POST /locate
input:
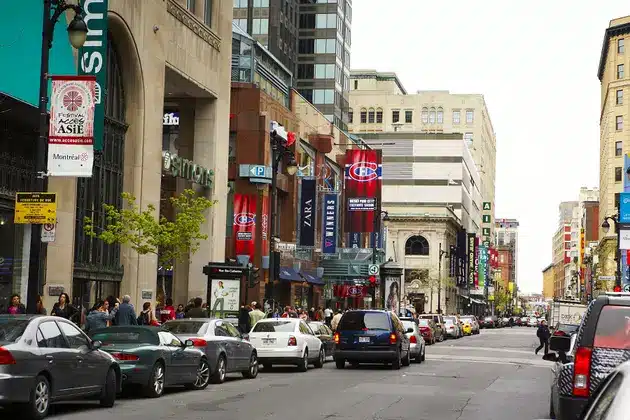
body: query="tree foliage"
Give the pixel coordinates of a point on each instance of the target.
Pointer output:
(147, 233)
(502, 299)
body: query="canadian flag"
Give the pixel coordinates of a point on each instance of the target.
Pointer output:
(290, 138)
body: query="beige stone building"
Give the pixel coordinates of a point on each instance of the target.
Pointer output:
(164, 57)
(614, 65)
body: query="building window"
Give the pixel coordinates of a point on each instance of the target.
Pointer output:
(618, 148)
(371, 116)
(363, 116)
(323, 21)
(241, 23)
(440, 116)
(261, 3)
(395, 116)
(432, 116)
(408, 117)
(618, 174)
(619, 122)
(379, 116)
(260, 27)
(456, 117)
(350, 116)
(468, 139)
(621, 48)
(207, 12)
(325, 46)
(240, 4)
(425, 115)
(356, 84)
(620, 97)
(324, 71)
(620, 71)
(417, 245)
(190, 5)
(470, 116)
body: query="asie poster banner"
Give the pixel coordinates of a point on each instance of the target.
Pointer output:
(71, 127)
(363, 178)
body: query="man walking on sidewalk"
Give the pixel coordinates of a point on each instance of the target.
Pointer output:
(543, 335)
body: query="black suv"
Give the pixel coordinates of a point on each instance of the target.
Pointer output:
(585, 359)
(371, 337)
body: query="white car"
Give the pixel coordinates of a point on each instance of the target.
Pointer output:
(286, 341)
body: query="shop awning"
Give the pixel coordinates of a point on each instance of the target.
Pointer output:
(289, 274)
(312, 277)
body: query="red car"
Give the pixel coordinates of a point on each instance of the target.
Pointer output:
(427, 330)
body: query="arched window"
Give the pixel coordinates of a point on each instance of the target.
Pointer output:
(440, 115)
(371, 116)
(425, 115)
(363, 115)
(417, 245)
(432, 116)
(379, 115)
(97, 266)
(350, 116)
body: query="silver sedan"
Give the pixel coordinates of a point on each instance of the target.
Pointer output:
(417, 346)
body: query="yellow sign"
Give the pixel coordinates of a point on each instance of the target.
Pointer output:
(35, 208)
(511, 287)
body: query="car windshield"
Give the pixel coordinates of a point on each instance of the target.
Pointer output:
(11, 329)
(185, 327)
(423, 322)
(132, 336)
(274, 326)
(357, 321)
(408, 324)
(467, 320)
(449, 319)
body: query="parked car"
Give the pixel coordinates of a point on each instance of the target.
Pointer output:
(452, 326)
(472, 320)
(584, 360)
(226, 349)
(533, 322)
(417, 346)
(440, 332)
(286, 341)
(38, 351)
(154, 358)
(611, 400)
(371, 336)
(428, 329)
(564, 329)
(325, 334)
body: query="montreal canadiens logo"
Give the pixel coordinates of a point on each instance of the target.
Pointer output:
(244, 219)
(363, 171)
(354, 291)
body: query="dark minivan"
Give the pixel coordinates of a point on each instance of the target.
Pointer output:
(371, 336)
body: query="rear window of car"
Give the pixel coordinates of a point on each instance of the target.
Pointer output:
(613, 328)
(274, 326)
(12, 329)
(185, 327)
(423, 322)
(355, 321)
(126, 337)
(408, 324)
(449, 320)
(467, 319)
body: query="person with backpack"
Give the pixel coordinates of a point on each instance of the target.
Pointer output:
(147, 316)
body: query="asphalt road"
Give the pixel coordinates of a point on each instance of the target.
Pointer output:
(494, 375)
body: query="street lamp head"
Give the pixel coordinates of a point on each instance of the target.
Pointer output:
(77, 31)
(386, 219)
(292, 166)
(605, 226)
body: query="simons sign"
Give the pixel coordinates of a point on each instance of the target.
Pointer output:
(183, 168)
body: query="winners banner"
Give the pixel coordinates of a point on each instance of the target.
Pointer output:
(363, 178)
(71, 128)
(244, 228)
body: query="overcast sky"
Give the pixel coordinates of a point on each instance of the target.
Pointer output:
(535, 61)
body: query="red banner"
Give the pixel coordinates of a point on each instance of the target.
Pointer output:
(244, 227)
(350, 291)
(363, 178)
(264, 226)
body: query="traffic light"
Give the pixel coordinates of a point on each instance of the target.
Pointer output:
(372, 281)
(617, 289)
(254, 276)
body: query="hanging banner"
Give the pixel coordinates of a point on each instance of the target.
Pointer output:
(329, 224)
(244, 228)
(264, 226)
(363, 179)
(483, 266)
(476, 261)
(71, 127)
(625, 278)
(350, 291)
(453, 261)
(308, 207)
(472, 258)
(93, 60)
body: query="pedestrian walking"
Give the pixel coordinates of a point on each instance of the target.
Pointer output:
(126, 314)
(147, 316)
(16, 307)
(335, 320)
(543, 335)
(168, 312)
(255, 315)
(179, 314)
(243, 319)
(328, 314)
(319, 315)
(40, 309)
(98, 317)
(197, 310)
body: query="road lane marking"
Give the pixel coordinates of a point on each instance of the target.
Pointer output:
(489, 360)
(454, 347)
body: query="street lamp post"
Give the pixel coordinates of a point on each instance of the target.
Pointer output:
(377, 219)
(606, 228)
(441, 253)
(77, 33)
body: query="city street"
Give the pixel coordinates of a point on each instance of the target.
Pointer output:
(494, 375)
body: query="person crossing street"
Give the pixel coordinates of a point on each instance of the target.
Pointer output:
(543, 335)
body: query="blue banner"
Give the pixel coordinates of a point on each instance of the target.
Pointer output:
(355, 240)
(626, 188)
(624, 207)
(329, 222)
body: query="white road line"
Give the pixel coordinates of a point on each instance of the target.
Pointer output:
(490, 360)
(454, 347)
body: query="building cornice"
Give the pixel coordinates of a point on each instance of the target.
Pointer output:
(193, 23)
(610, 32)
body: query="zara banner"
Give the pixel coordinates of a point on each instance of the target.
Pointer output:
(244, 227)
(329, 222)
(307, 212)
(71, 127)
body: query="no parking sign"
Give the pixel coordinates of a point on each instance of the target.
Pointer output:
(48, 232)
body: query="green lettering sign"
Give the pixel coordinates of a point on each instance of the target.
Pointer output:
(485, 218)
(486, 231)
(487, 206)
(179, 167)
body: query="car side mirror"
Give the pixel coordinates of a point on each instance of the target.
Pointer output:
(409, 330)
(560, 343)
(189, 343)
(96, 345)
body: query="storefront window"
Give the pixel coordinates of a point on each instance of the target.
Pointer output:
(306, 165)
(13, 258)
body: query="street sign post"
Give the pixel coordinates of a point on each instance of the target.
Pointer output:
(35, 208)
(373, 269)
(48, 232)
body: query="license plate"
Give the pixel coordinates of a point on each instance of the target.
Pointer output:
(268, 341)
(364, 339)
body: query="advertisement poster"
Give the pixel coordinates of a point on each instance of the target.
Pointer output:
(329, 224)
(392, 294)
(307, 213)
(264, 226)
(244, 227)
(71, 127)
(472, 257)
(476, 262)
(363, 178)
(483, 264)
(224, 297)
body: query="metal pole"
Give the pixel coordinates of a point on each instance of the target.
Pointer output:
(440, 279)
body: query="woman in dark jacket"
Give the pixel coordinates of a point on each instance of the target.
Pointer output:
(64, 309)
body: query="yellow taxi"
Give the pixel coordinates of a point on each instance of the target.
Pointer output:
(466, 326)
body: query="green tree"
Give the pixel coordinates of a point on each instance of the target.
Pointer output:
(501, 300)
(147, 233)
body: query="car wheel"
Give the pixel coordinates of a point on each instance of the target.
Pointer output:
(406, 361)
(320, 359)
(252, 371)
(155, 387)
(303, 366)
(203, 376)
(218, 377)
(396, 362)
(39, 402)
(108, 393)
(340, 363)
(424, 352)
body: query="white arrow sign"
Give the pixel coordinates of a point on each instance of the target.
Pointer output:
(373, 269)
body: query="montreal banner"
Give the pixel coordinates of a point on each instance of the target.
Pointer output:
(363, 178)
(71, 128)
(244, 228)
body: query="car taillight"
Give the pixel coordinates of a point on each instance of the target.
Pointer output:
(125, 357)
(199, 342)
(292, 341)
(6, 358)
(582, 372)
(392, 339)
(413, 339)
(336, 338)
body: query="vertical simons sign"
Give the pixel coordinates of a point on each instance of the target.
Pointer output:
(93, 60)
